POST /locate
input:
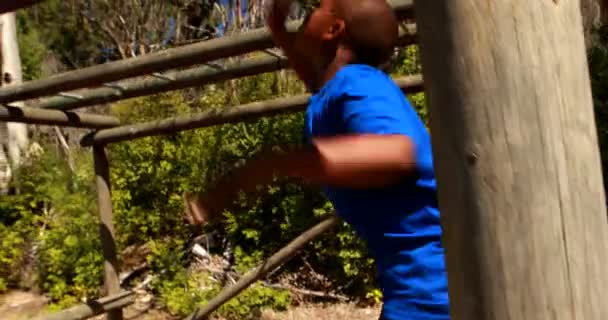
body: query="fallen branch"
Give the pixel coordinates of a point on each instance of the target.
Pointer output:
(235, 276)
(138, 270)
(262, 270)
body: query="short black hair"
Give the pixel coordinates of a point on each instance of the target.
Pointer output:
(372, 30)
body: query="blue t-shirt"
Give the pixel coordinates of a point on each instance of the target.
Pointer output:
(399, 222)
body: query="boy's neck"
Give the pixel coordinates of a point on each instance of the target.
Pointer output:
(342, 58)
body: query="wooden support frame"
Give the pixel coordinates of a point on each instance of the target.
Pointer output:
(184, 56)
(55, 117)
(174, 81)
(182, 79)
(409, 84)
(106, 227)
(93, 308)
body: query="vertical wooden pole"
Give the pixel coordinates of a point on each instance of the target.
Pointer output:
(517, 161)
(104, 202)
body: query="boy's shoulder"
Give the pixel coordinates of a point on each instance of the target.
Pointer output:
(361, 78)
(357, 83)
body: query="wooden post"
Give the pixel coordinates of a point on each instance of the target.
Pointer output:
(20, 115)
(517, 161)
(104, 202)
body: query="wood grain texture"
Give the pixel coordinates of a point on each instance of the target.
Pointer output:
(517, 159)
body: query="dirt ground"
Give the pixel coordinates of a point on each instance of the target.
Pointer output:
(340, 311)
(18, 305)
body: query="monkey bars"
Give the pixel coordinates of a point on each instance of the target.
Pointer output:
(184, 56)
(197, 76)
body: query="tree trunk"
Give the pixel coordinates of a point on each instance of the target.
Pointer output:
(16, 141)
(517, 159)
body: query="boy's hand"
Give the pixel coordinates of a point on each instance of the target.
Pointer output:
(277, 14)
(202, 208)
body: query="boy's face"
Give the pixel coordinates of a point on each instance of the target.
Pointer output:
(320, 31)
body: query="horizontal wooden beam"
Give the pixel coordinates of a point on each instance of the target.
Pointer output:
(55, 117)
(14, 5)
(171, 81)
(409, 84)
(182, 79)
(267, 266)
(198, 53)
(93, 308)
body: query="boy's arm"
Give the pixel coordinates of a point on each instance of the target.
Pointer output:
(277, 15)
(351, 161)
(355, 161)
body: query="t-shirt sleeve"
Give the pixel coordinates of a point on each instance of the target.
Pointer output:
(370, 105)
(374, 114)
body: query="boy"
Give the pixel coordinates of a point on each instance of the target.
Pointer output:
(368, 148)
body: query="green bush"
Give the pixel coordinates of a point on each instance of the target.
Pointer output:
(11, 255)
(54, 213)
(185, 292)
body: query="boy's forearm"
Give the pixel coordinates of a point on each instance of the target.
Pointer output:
(353, 162)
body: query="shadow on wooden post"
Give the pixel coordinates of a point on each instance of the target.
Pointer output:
(106, 227)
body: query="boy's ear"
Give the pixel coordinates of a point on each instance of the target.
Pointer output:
(336, 29)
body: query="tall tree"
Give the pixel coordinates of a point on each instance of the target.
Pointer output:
(16, 139)
(131, 28)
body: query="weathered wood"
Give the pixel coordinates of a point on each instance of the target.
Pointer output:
(174, 81)
(244, 112)
(516, 151)
(267, 266)
(93, 308)
(106, 227)
(56, 117)
(182, 79)
(184, 56)
(13, 5)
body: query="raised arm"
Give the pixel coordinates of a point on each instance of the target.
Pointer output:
(277, 15)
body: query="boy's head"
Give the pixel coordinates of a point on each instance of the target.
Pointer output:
(363, 31)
